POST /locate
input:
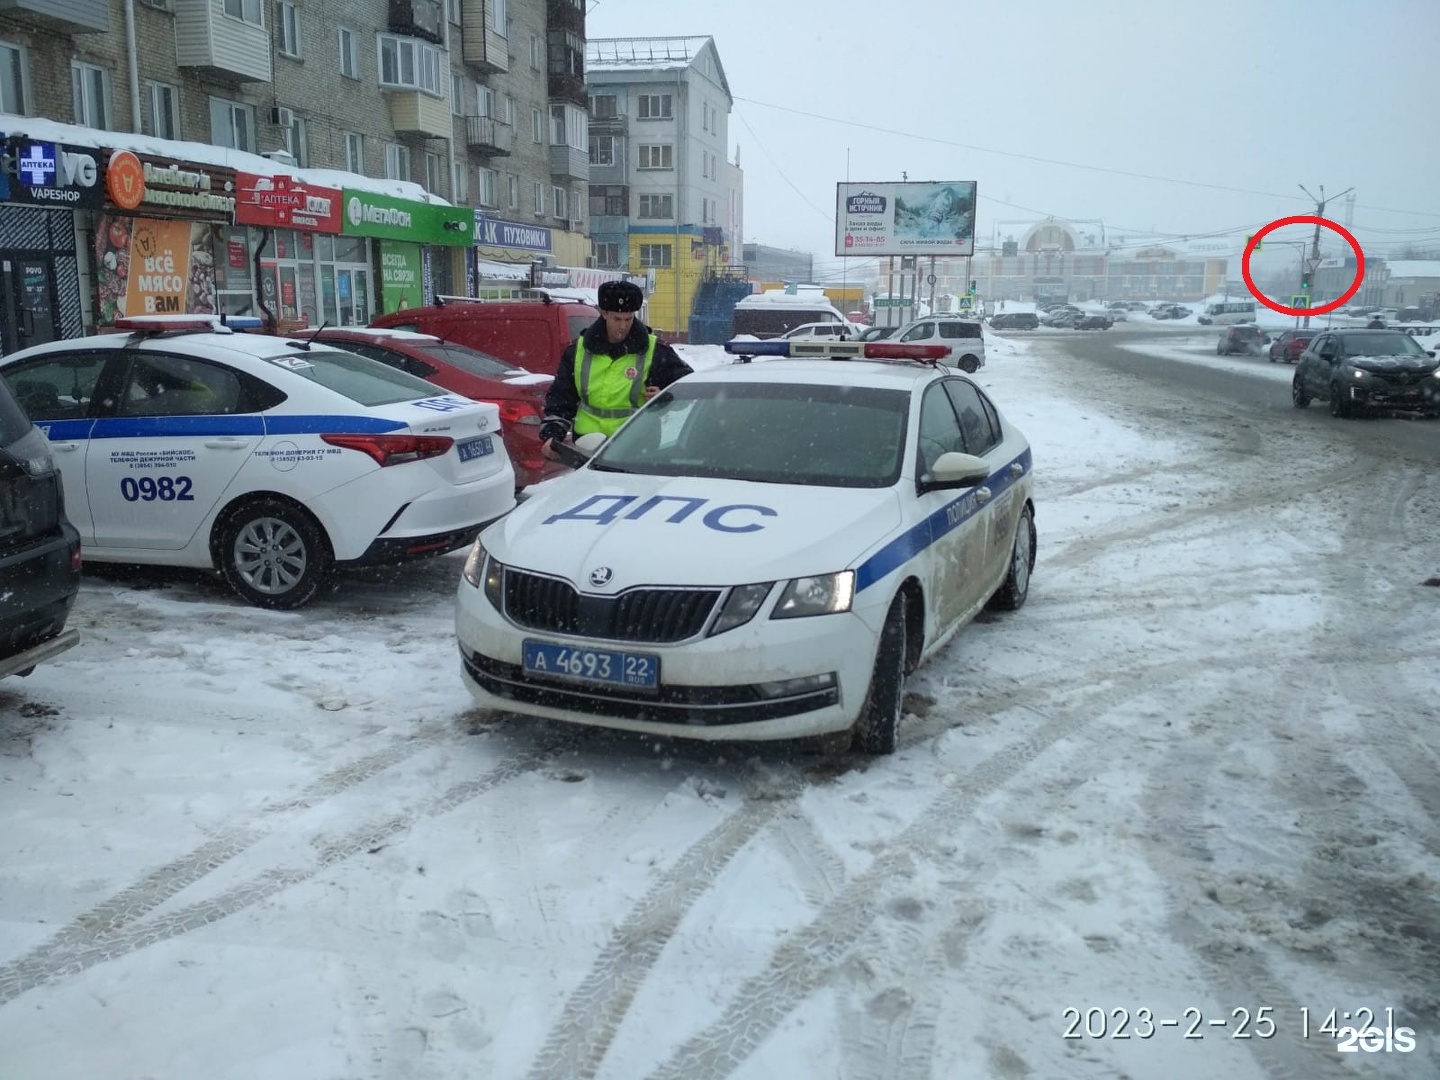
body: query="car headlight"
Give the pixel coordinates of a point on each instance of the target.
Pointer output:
(1360, 374)
(484, 572)
(823, 594)
(741, 605)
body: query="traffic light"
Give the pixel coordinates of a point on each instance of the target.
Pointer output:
(1305, 281)
(972, 288)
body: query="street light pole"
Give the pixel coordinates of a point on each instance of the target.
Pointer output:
(1313, 263)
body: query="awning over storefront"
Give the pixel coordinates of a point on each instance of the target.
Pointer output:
(498, 271)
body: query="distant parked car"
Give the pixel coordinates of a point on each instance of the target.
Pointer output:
(1015, 320)
(877, 333)
(825, 331)
(1093, 322)
(1288, 346)
(1169, 311)
(1244, 338)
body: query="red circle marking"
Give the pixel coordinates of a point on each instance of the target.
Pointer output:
(1302, 219)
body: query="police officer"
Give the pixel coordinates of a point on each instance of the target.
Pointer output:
(608, 372)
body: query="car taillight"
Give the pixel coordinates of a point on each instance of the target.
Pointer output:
(518, 412)
(394, 449)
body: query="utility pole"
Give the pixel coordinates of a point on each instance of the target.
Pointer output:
(1313, 262)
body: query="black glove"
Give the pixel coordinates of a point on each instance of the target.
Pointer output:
(554, 429)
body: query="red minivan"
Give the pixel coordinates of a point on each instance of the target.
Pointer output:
(528, 333)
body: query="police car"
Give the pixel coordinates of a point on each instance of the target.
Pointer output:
(764, 551)
(182, 442)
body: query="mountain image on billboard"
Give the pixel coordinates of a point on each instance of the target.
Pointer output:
(905, 218)
(935, 212)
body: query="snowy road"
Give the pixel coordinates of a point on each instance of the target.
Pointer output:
(1193, 780)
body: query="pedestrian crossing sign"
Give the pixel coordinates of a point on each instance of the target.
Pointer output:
(1300, 300)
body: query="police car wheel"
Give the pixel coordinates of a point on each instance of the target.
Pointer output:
(273, 554)
(1011, 595)
(878, 727)
(1297, 392)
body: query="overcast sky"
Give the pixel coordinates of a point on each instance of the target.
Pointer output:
(1143, 114)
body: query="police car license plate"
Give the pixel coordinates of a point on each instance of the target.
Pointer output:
(640, 671)
(470, 449)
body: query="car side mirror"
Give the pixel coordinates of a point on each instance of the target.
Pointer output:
(955, 470)
(1430, 351)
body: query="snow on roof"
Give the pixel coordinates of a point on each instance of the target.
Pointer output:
(635, 54)
(498, 271)
(811, 297)
(37, 127)
(1414, 268)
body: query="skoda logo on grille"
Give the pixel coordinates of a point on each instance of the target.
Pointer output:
(600, 575)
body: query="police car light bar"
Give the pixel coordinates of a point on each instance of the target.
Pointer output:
(836, 350)
(159, 324)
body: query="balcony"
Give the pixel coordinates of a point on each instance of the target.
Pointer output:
(65, 16)
(565, 15)
(485, 49)
(489, 136)
(568, 163)
(609, 125)
(220, 46)
(414, 112)
(418, 18)
(567, 85)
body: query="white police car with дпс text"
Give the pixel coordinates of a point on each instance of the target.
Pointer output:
(183, 443)
(763, 551)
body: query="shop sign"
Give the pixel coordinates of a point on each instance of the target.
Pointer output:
(494, 232)
(149, 266)
(541, 278)
(401, 275)
(369, 214)
(176, 188)
(53, 174)
(284, 202)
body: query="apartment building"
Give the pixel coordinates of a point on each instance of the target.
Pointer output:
(434, 104)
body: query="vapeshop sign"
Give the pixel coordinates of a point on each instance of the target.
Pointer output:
(53, 174)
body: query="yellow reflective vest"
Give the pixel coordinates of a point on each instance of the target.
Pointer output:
(610, 389)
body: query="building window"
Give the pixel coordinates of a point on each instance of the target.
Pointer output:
(246, 10)
(349, 54)
(434, 172)
(607, 256)
(608, 201)
(567, 53)
(657, 206)
(502, 18)
(297, 141)
(512, 192)
(539, 196)
(452, 11)
(355, 152)
(535, 52)
(459, 188)
(409, 64)
(486, 194)
(654, 256)
(560, 199)
(537, 125)
(659, 156)
(397, 161)
(602, 107)
(655, 107)
(289, 29)
(484, 101)
(602, 149)
(232, 124)
(90, 86)
(507, 109)
(705, 115)
(14, 71)
(457, 94)
(569, 126)
(164, 114)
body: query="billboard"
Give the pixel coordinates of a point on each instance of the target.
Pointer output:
(905, 219)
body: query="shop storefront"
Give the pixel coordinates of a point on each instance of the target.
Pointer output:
(43, 186)
(499, 264)
(283, 228)
(155, 244)
(396, 233)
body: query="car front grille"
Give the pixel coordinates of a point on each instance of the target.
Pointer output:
(657, 616)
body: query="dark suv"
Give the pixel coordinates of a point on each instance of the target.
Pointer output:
(1360, 369)
(1245, 338)
(39, 548)
(1015, 320)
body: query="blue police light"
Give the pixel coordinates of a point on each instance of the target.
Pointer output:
(741, 347)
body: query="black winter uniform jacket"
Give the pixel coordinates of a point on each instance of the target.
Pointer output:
(563, 399)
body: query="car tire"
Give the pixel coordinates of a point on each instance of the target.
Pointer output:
(1340, 406)
(877, 730)
(1011, 595)
(1298, 395)
(273, 554)
(969, 365)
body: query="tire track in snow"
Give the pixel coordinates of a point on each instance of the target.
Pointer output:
(580, 1038)
(83, 947)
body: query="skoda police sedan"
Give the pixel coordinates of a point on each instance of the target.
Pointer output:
(764, 551)
(184, 443)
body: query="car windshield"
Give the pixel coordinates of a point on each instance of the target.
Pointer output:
(467, 359)
(766, 432)
(1396, 344)
(362, 380)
